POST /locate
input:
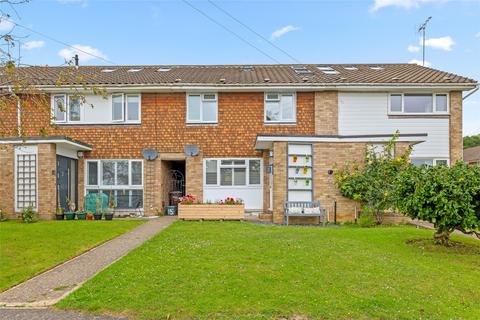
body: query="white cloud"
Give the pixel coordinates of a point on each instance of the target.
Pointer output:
(413, 48)
(6, 25)
(415, 61)
(442, 43)
(68, 53)
(477, 35)
(405, 4)
(283, 31)
(82, 3)
(33, 44)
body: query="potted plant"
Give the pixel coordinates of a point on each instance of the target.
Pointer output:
(307, 182)
(111, 207)
(70, 214)
(98, 210)
(59, 214)
(305, 170)
(307, 158)
(89, 215)
(81, 214)
(295, 158)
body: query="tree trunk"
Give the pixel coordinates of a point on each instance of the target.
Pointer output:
(442, 237)
(379, 216)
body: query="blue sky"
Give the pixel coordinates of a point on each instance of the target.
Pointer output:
(171, 32)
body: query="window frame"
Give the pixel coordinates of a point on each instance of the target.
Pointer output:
(126, 107)
(434, 104)
(101, 185)
(434, 160)
(202, 100)
(279, 100)
(247, 173)
(123, 107)
(65, 107)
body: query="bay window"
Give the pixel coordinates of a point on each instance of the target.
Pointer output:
(280, 107)
(121, 179)
(233, 172)
(202, 108)
(418, 103)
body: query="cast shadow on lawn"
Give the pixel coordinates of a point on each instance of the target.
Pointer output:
(454, 247)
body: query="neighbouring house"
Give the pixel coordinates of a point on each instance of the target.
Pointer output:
(472, 155)
(262, 133)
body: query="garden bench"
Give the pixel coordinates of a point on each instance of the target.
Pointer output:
(305, 209)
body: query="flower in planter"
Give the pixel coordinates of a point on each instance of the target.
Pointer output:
(295, 158)
(230, 201)
(189, 199)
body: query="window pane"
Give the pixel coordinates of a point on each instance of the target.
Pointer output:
(209, 97)
(254, 172)
(209, 111)
(133, 108)
(418, 103)
(211, 172)
(59, 108)
(227, 162)
(122, 173)
(193, 108)
(396, 103)
(441, 102)
(272, 111)
(443, 163)
(74, 109)
(108, 176)
(419, 162)
(136, 173)
(240, 176)
(272, 96)
(226, 176)
(287, 108)
(117, 107)
(239, 162)
(137, 199)
(92, 173)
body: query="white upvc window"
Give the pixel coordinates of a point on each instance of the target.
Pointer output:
(66, 108)
(122, 179)
(59, 108)
(202, 108)
(418, 103)
(234, 172)
(280, 107)
(126, 108)
(430, 161)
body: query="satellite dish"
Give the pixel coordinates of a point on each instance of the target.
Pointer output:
(150, 154)
(191, 150)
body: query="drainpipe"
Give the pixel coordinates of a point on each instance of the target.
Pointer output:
(471, 92)
(19, 113)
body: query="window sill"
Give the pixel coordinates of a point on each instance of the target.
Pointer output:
(86, 124)
(399, 115)
(280, 123)
(196, 124)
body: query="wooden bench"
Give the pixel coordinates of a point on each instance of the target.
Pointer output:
(297, 209)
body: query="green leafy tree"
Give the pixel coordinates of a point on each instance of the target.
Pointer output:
(373, 182)
(471, 141)
(447, 197)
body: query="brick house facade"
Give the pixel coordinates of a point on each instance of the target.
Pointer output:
(240, 132)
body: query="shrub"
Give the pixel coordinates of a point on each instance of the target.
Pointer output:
(3, 215)
(447, 197)
(28, 215)
(367, 218)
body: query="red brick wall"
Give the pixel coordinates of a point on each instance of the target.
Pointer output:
(240, 119)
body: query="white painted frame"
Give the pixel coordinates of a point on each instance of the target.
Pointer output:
(125, 112)
(28, 150)
(434, 104)
(100, 184)
(247, 173)
(53, 107)
(202, 99)
(123, 107)
(280, 95)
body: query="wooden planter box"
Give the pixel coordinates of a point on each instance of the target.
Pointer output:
(211, 212)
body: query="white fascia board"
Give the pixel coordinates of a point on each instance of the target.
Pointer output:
(66, 143)
(266, 87)
(266, 142)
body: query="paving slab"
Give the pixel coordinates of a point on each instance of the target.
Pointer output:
(51, 286)
(49, 314)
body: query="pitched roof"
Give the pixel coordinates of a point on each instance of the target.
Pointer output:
(471, 154)
(252, 75)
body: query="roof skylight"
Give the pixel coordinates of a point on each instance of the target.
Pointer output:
(330, 71)
(134, 70)
(164, 69)
(377, 68)
(325, 68)
(247, 68)
(302, 71)
(351, 68)
(108, 70)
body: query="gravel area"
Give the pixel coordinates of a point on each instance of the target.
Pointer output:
(51, 286)
(49, 314)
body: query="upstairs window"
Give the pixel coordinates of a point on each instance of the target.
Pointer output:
(126, 108)
(74, 109)
(202, 108)
(418, 103)
(280, 108)
(60, 108)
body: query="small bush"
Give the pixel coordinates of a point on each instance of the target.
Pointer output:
(28, 215)
(367, 218)
(3, 215)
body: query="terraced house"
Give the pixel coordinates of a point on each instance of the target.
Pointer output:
(264, 133)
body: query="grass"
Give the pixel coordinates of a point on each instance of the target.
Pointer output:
(29, 249)
(232, 270)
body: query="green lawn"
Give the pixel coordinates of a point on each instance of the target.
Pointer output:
(236, 270)
(29, 249)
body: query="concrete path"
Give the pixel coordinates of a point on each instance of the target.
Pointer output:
(49, 314)
(51, 286)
